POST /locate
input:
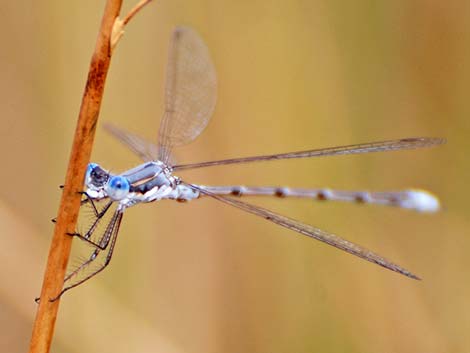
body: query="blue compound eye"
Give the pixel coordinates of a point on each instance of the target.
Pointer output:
(89, 170)
(117, 188)
(95, 177)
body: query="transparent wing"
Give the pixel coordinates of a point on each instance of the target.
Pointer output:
(382, 146)
(190, 91)
(311, 232)
(146, 150)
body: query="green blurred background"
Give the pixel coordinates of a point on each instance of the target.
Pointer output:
(201, 276)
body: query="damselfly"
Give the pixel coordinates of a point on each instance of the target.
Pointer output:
(190, 98)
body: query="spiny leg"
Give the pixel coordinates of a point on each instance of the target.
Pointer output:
(82, 202)
(109, 238)
(100, 246)
(87, 200)
(99, 215)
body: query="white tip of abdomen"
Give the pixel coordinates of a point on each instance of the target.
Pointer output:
(421, 201)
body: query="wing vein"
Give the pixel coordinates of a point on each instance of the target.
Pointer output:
(312, 232)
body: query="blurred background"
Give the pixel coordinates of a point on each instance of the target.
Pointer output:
(201, 276)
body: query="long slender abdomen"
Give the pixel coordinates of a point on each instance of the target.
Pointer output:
(418, 200)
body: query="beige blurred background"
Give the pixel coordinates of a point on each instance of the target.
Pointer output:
(203, 277)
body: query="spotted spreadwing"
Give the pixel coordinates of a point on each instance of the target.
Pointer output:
(190, 98)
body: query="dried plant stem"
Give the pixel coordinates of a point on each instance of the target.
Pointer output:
(134, 10)
(59, 252)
